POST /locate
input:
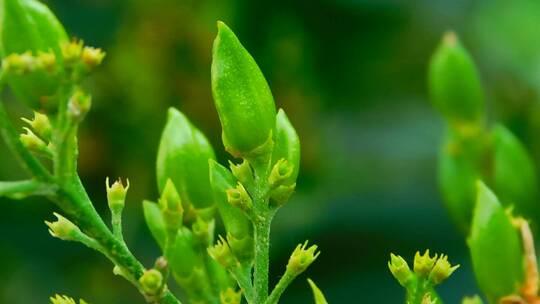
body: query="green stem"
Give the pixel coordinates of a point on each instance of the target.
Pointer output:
(262, 248)
(283, 283)
(24, 188)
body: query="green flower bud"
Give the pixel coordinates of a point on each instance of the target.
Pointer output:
(41, 125)
(183, 157)
(151, 282)
(317, 293)
(171, 207)
(29, 25)
(243, 172)
(64, 229)
(20, 64)
(204, 231)
(116, 195)
(235, 221)
(442, 270)
(229, 296)
(454, 83)
(238, 197)
(243, 249)
(62, 299)
(514, 177)
(301, 258)
(287, 145)
(72, 52)
(400, 269)
(221, 252)
(495, 247)
(281, 172)
(281, 194)
(92, 57)
(33, 143)
(79, 104)
(423, 263)
(155, 222)
(242, 97)
(457, 176)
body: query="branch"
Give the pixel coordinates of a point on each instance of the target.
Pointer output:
(25, 188)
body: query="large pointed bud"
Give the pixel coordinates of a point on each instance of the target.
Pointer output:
(495, 247)
(242, 97)
(183, 157)
(29, 25)
(457, 176)
(514, 177)
(454, 83)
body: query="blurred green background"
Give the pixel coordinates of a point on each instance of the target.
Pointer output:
(351, 75)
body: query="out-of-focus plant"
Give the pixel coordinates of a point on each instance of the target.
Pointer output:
(45, 70)
(500, 240)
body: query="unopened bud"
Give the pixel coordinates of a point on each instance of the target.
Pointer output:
(221, 252)
(229, 296)
(116, 194)
(302, 257)
(171, 206)
(151, 282)
(400, 269)
(79, 105)
(71, 52)
(442, 270)
(242, 248)
(19, 63)
(423, 263)
(64, 229)
(281, 171)
(239, 197)
(92, 57)
(32, 142)
(46, 61)
(41, 124)
(203, 230)
(242, 172)
(281, 194)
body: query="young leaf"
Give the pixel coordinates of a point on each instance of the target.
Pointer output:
(287, 145)
(156, 223)
(29, 25)
(514, 178)
(495, 247)
(454, 83)
(183, 157)
(241, 94)
(317, 293)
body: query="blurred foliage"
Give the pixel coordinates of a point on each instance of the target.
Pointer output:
(352, 76)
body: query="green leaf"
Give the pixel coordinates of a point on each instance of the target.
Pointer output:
(241, 94)
(457, 176)
(29, 25)
(156, 223)
(183, 157)
(454, 83)
(514, 176)
(495, 247)
(286, 145)
(317, 293)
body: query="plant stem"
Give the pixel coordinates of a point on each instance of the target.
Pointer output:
(24, 188)
(262, 248)
(283, 283)
(242, 275)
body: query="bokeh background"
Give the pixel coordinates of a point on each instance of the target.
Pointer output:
(351, 74)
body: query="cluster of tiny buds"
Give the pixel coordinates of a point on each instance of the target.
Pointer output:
(301, 258)
(151, 282)
(75, 53)
(37, 143)
(229, 296)
(435, 269)
(27, 62)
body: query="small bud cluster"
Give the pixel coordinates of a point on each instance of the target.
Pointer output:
(76, 54)
(433, 270)
(302, 257)
(27, 62)
(40, 142)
